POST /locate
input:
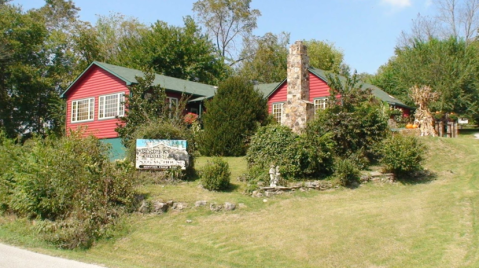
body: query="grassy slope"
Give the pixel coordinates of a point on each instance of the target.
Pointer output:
(400, 225)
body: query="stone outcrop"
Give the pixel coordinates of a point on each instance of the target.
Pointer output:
(298, 109)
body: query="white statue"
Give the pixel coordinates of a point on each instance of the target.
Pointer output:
(273, 176)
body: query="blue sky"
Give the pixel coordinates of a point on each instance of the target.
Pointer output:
(365, 30)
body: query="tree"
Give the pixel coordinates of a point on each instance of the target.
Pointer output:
(265, 58)
(324, 55)
(449, 66)
(455, 18)
(232, 117)
(145, 104)
(226, 20)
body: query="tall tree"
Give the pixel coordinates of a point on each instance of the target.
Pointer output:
(324, 55)
(182, 52)
(447, 66)
(232, 118)
(456, 18)
(265, 58)
(226, 21)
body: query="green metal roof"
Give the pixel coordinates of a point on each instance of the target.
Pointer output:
(170, 83)
(269, 89)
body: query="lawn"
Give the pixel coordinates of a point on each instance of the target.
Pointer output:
(428, 224)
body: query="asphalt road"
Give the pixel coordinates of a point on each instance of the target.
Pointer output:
(12, 257)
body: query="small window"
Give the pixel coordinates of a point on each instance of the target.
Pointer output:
(277, 111)
(320, 104)
(83, 110)
(111, 106)
(172, 105)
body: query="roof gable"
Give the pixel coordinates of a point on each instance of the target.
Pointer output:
(169, 83)
(268, 89)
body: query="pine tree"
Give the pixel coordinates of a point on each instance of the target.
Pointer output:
(232, 117)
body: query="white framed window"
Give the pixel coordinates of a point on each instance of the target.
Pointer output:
(277, 111)
(320, 104)
(172, 104)
(83, 110)
(111, 106)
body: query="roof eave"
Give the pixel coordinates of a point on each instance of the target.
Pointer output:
(127, 82)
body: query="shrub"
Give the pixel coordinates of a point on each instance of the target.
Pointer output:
(70, 185)
(346, 172)
(297, 155)
(215, 176)
(232, 118)
(402, 154)
(356, 123)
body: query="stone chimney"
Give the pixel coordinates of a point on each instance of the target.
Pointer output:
(298, 109)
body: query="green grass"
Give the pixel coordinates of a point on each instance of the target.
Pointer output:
(430, 224)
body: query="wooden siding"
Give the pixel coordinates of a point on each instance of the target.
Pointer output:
(94, 83)
(317, 88)
(280, 95)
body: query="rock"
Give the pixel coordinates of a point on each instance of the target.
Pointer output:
(242, 205)
(229, 206)
(170, 203)
(260, 183)
(200, 203)
(179, 206)
(145, 207)
(160, 207)
(265, 200)
(189, 221)
(257, 194)
(215, 207)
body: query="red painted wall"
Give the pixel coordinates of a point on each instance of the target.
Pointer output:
(317, 89)
(94, 83)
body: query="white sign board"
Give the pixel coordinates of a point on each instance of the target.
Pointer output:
(161, 154)
(463, 121)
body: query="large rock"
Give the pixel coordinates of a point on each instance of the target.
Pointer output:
(200, 203)
(160, 207)
(229, 206)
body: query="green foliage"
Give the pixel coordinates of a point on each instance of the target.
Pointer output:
(181, 52)
(145, 104)
(324, 55)
(215, 175)
(69, 184)
(346, 172)
(402, 154)
(298, 156)
(448, 66)
(265, 58)
(232, 118)
(356, 121)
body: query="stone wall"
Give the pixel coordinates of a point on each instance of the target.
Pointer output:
(298, 109)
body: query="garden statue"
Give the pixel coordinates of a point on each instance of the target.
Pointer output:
(273, 176)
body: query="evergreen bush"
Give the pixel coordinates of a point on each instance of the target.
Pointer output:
(215, 176)
(402, 154)
(346, 172)
(231, 118)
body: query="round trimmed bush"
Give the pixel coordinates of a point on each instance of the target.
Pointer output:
(402, 154)
(215, 176)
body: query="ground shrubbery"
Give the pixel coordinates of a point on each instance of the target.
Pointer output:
(402, 154)
(68, 184)
(298, 156)
(215, 175)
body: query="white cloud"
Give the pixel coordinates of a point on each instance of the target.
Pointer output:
(397, 3)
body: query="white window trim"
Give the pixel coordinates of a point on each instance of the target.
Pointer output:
(171, 100)
(91, 103)
(320, 106)
(120, 103)
(281, 111)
